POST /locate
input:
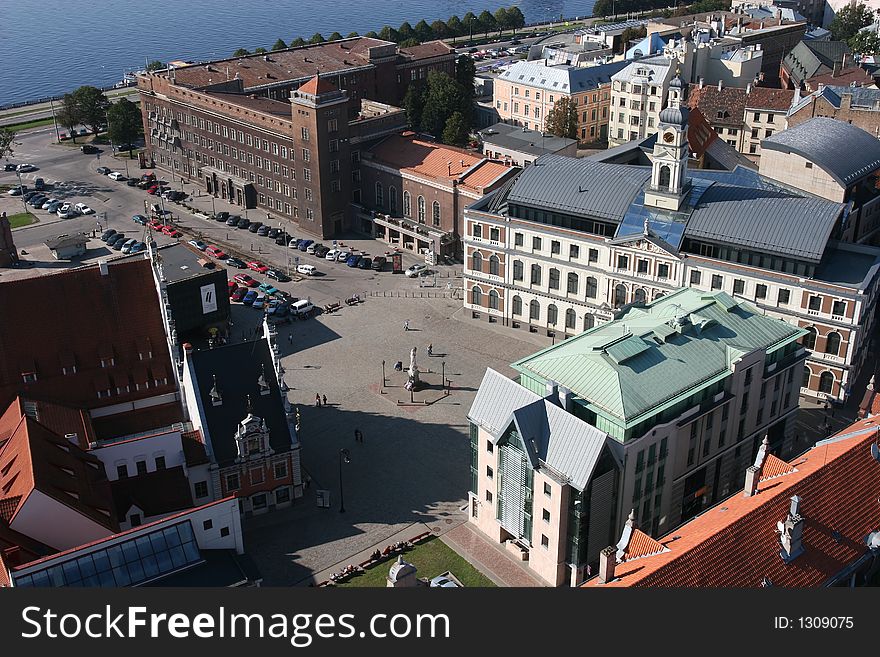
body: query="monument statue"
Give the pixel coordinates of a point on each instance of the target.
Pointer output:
(413, 371)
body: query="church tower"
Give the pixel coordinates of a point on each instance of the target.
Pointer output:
(669, 181)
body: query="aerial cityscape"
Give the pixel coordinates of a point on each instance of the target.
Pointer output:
(547, 294)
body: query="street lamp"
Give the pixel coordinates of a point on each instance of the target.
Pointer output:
(383, 373)
(213, 209)
(21, 192)
(443, 376)
(344, 457)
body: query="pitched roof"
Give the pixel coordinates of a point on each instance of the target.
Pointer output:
(722, 107)
(844, 151)
(810, 58)
(626, 368)
(860, 97)
(646, 70)
(845, 77)
(765, 98)
(520, 139)
(113, 316)
(551, 435)
(408, 153)
(155, 493)
(735, 545)
(427, 50)
(237, 368)
(317, 86)
(561, 78)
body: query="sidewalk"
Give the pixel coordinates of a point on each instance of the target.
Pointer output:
(488, 558)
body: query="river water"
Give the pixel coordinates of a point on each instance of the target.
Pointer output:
(49, 47)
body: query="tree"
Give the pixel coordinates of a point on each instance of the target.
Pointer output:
(604, 8)
(68, 115)
(849, 20)
(465, 70)
(443, 97)
(424, 31)
(487, 22)
(515, 19)
(456, 131)
(7, 141)
(865, 43)
(241, 52)
(562, 119)
(279, 45)
(629, 34)
(413, 102)
(124, 123)
(297, 42)
(336, 36)
(471, 24)
(352, 35)
(92, 106)
(317, 37)
(440, 30)
(260, 51)
(372, 35)
(409, 43)
(388, 33)
(156, 65)
(406, 31)
(501, 20)
(456, 28)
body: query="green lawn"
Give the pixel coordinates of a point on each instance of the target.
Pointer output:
(29, 124)
(430, 558)
(21, 219)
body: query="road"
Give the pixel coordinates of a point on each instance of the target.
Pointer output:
(44, 110)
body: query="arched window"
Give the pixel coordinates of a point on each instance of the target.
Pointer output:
(832, 343)
(589, 321)
(619, 295)
(806, 382)
(665, 176)
(810, 338)
(534, 309)
(572, 283)
(477, 261)
(517, 270)
(570, 318)
(494, 265)
(493, 299)
(392, 200)
(592, 287)
(407, 205)
(826, 382)
(640, 296)
(552, 314)
(476, 296)
(421, 203)
(435, 213)
(554, 278)
(380, 196)
(517, 305)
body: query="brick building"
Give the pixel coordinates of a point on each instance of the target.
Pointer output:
(809, 59)
(282, 132)
(858, 106)
(415, 191)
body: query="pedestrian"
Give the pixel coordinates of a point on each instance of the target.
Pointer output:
(406, 325)
(290, 338)
(317, 400)
(306, 481)
(358, 436)
(430, 349)
(324, 400)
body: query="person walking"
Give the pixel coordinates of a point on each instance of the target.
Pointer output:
(324, 400)
(406, 325)
(430, 349)
(290, 338)
(358, 436)
(317, 400)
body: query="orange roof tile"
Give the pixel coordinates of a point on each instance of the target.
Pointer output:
(641, 545)
(775, 467)
(735, 544)
(431, 160)
(318, 85)
(484, 174)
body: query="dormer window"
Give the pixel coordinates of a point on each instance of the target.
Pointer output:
(253, 446)
(263, 383)
(145, 355)
(70, 369)
(29, 377)
(216, 397)
(108, 362)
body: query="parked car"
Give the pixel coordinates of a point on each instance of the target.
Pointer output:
(215, 252)
(278, 309)
(443, 581)
(156, 225)
(24, 168)
(138, 247)
(235, 262)
(254, 226)
(82, 208)
(273, 233)
(126, 248)
(353, 259)
(103, 170)
(171, 231)
(233, 221)
(221, 216)
(331, 254)
(343, 256)
(244, 279)
(294, 242)
(365, 263)
(321, 251)
(378, 263)
(278, 275)
(40, 184)
(257, 266)
(67, 211)
(9, 166)
(306, 270)
(302, 308)
(243, 223)
(250, 297)
(53, 208)
(413, 270)
(231, 286)
(199, 244)
(260, 301)
(304, 244)
(116, 175)
(48, 202)
(115, 238)
(88, 149)
(282, 239)
(107, 234)
(311, 247)
(37, 200)
(267, 288)
(131, 182)
(263, 231)
(139, 219)
(17, 191)
(239, 294)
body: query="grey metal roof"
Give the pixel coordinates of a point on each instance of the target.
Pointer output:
(519, 139)
(579, 186)
(764, 219)
(656, 69)
(562, 78)
(567, 444)
(726, 156)
(861, 97)
(844, 151)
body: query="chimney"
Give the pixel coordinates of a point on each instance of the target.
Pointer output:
(748, 88)
(607, 564)
(779, 15)
(449, 169)
(762, 25)
(753, 472)
(73, 438)
(701, 83)
(719, 85)
(552, 391)
(792, 532)
(102, 267)
(565, 398)
(835, 70)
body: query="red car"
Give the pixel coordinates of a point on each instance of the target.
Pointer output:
(231, 287)
(216, 252)
(156, 225)
(238, 295)
(244, 279)
(257, 266)
(171, 231)
(153, 189)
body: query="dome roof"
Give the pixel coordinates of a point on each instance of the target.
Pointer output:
(676, 82)
(674, 115)
(400, 569)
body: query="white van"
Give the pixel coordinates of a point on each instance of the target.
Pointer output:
(306, 270)
(302, 308)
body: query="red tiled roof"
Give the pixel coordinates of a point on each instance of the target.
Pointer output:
(318, 85)
(115, 314)
(428, 159)
(724, 107)
(427, 50)
(766, 98)
(194, 448)
(641, 545)
(484, 175)
(774, 467)
(843, 78)
(735, 544)
(138, 420)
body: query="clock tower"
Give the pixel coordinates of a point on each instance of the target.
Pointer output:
(669, 181)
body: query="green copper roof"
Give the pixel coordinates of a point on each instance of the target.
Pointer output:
(652, 355)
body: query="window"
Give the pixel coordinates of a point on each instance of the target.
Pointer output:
(545, 515)
(572, 283)
(662, 271)
(477, 229)
(232, 482)
(815, 303)
(141, 467)
(545, 542)
(477, 261)
(574, 251)
(494, 234)
(570, 318)
(536, 274)
(738, 285)
(122, 471)
(760, 291)
(593, 255)
(832, 344)
(784, 296)
(717, 281)
(494, 265)
(517, 270)
(380, 195)
(160, 462)
(534, 309)
(695, 277)
(554, 247)
(305, 134)
(489, 446)
(642, 266)
(826, 382)
(435, 214)
(488, 496)
(489, 472)
(201, 489)
(517, 239)
(135, 518)
(421, 207)
(536, 243)
(554, 278)
(208, 524)
(810, 338)
(838, 308)
(619, 295)
(552, 314)
(224, 531)
(307, 175)
(517, 305)
(476, 296)
(622, 262)
(592, 287)
(279, 469)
